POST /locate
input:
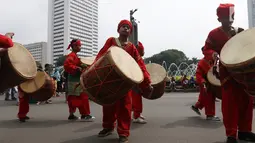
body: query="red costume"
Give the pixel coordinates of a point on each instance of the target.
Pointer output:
(206, 99)
(23, 104)
(140, 49)
(237, 106)
(5, 42)
(121, 110)
(76, 99)
(137, 103)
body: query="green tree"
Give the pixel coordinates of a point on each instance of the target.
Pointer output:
(193, 61)
(169, 56)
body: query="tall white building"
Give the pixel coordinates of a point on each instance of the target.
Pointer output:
(251, 13)
(69, 19)
(38, 51)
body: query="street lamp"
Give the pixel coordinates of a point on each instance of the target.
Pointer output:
(134, 36)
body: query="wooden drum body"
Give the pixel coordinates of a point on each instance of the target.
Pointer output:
(158, 77)
(41, 88)
(238, 56)
(17, 66)
(215, 85)
(111, 77)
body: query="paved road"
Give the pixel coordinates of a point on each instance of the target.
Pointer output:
(170, 120)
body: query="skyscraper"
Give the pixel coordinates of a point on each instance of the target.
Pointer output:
(251, 13)
(38, 51)
(69, 19)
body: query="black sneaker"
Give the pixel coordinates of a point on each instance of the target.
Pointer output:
(123, 139)
(195, 109)
(27, 118)
(105, 132)
(22, 120)
(213, 118)
(231, 140)
(72, 117)
(246, 136)
(87, 118)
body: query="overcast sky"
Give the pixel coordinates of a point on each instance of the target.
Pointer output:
(164, 24)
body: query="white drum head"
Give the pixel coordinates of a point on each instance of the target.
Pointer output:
(22, 61)
(126, 64)
(157, 73)
(239, 49)
(35, 84)
(88, 60)
(212, 78)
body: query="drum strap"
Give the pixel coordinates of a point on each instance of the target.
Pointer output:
(119, 44)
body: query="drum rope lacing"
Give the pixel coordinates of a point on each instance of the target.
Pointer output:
(103, 81)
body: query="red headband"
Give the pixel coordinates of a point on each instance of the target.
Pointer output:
(77, 43)
(125, 22)
(225, 10)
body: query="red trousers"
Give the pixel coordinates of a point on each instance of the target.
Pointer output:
(137, 104)
(120, 111)
(23, 105)
(81, 102)
(206, 100)
(237, 109)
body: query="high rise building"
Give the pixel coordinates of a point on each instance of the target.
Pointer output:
(38, 51)
(251, 13)
(69, 19)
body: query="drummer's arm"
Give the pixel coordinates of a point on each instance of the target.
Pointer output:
(139, 60)
(210, 44)
(105, 48)
(69, 65)
(199, 75)
(5, 41)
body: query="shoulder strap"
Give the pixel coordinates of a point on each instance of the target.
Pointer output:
(117, 42)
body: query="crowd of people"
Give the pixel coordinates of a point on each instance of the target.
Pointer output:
(174, 83)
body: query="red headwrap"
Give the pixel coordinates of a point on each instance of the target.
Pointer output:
(225, 10)
(77, 43)
(125, 22)
(140, 49)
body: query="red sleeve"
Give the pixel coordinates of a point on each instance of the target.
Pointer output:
(210, 44)
(200, 73)
(105, 48)
(139, 60)
(5, 42)
(141, 49)
(69, 64)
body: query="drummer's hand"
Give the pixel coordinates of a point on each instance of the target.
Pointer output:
(9, 35)
(150, 88)
(215, 56)
(215, 72)
(204, 86)
(2, 51)
(79, 69)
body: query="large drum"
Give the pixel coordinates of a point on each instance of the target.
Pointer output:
(41, 88)
(215, 85)
(238, 56)
(111, 77)
(17, 66)
(158, 77)
(87, 60)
